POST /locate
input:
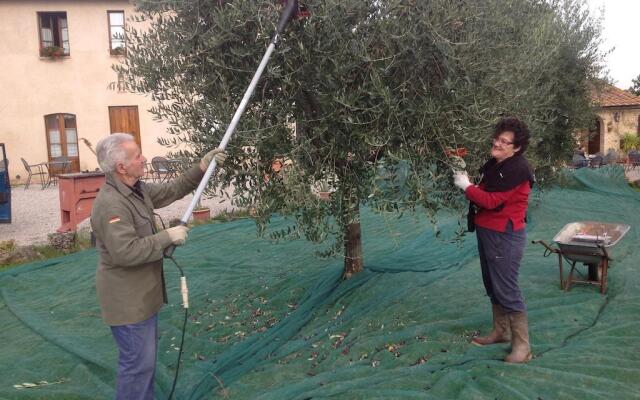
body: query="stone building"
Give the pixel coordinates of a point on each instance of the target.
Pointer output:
(618, 113)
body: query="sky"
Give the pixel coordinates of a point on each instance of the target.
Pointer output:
(620, 30)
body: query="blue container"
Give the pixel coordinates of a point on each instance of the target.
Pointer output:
(5, 188)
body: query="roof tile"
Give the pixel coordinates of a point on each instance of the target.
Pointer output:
(611, 96)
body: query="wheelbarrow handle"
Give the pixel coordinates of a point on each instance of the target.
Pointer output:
(547, 253)
(549, 248)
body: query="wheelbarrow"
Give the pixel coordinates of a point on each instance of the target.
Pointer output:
(589, 243)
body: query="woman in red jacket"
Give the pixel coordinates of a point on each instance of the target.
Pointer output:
(500, 203)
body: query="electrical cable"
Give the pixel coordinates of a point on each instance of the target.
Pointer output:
(185, 304)
(184, 324)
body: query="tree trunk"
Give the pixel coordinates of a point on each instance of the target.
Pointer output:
(352, 247)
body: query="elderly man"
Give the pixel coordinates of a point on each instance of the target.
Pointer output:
(129, 279)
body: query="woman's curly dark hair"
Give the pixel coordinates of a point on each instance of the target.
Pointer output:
(520, 131)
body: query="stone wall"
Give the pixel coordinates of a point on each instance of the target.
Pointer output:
(615, 127)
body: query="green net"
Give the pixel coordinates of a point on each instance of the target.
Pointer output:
(272, 321)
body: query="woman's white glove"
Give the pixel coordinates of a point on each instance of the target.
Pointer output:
(178, 234)
(218, 154)
(461, 180)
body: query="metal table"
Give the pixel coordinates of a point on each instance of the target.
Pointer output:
(55, 168)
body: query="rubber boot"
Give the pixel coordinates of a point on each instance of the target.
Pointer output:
(501, 332)
(520, 347)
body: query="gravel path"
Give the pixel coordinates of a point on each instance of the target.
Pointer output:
(36, 213)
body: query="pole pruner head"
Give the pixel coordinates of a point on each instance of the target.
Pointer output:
(292, 9)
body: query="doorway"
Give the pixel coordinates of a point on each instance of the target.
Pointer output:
(62, 143)
(594, 137)
(124, 119)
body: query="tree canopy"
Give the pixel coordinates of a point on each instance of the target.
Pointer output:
(363, 96)
(635, 87)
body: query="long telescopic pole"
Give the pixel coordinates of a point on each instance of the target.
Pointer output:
(289, 11)
(287, 14)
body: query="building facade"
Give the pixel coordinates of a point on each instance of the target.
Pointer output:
(618, 113)
(59, 91)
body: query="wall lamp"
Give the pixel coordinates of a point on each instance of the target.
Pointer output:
(616, 116)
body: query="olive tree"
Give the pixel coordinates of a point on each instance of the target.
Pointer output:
(363, 97)
(635, 87)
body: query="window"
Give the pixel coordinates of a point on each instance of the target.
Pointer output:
(54, 33)
(62, 138)
(116, 32)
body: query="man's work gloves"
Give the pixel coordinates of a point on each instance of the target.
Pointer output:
(178, 234)
(461, 180)
(218, 154)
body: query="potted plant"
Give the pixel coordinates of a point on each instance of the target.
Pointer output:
(325, 186)
(324, 191)
(53, 51)
(118, 51)
(629, 142)
(201, 213)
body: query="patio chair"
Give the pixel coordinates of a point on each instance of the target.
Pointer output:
(579, 161)
(34, 170)
(163, 170)
(597, 161)
(61, 165)
(148, 173)
(611, 157)
(634, 159)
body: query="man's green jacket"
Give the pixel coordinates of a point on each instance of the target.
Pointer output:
(129, 278)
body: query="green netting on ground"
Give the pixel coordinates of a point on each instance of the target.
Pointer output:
(272, 321)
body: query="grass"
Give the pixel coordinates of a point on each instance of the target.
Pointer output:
(18, 255)
(227, 216)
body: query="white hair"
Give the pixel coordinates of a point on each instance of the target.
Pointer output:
(110, 151)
